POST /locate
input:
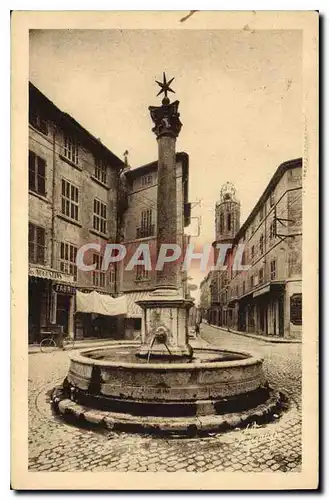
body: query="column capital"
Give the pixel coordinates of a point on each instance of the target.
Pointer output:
(166, 119)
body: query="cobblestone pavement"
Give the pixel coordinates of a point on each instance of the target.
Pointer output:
(57, 446)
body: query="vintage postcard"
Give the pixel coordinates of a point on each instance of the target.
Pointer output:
(164, 250)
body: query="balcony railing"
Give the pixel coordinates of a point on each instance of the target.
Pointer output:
(145, 232)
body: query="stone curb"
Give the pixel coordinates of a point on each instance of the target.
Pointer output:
(88, 345)
(190, 426)
(258, 337)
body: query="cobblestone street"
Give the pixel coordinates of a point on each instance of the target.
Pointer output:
(57, 446)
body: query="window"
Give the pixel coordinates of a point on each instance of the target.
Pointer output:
(37, 173)
(99, 276)
(252, 251)
(296, 309)
(147, 180)
(261, 244)
(244, 257)
(137, 322)
(229, 219)
(67, 261)
(141, 273)
(70, 200)
(261, 213)
(272, 229)
(244, 287)
(273, 269)
(71, 149)
(237, 290)
(37, 244)
(146, 228)
(221, 222)
(251, 282)
(111, 272)
(36, 118)
(261, 276)
(101, 170)
(100, 216)
(272, 199)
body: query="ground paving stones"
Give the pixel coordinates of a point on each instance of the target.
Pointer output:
(57, 446)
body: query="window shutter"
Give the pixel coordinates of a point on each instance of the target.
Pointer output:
(41, 178)
(32, 185)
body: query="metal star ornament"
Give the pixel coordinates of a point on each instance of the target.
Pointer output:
(165, 86)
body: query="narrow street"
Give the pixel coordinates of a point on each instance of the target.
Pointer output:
(57, 446)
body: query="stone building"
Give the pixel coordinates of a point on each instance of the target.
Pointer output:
(73, 186)
(139, 228)
(205, 296)
(266, 298)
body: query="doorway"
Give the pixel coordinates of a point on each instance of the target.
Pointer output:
(63, 307)
(37, 308)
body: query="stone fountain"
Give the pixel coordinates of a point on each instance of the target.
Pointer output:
(163, 385)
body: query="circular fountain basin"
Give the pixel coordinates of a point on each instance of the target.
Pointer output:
(120, 389)
(116, 373)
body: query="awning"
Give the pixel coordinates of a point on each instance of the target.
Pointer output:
(270, 287)
(261, 291)
(133, 309)
(98, 303)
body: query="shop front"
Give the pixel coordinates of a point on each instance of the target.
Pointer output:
(99, 315)
(262, 312)
(51, 302)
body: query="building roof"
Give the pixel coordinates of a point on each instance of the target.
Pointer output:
(62, 115)
(143, 169)
(287, 165)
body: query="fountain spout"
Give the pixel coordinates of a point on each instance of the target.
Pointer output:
(160, 336)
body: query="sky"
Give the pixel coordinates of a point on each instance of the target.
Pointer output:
(240, 94)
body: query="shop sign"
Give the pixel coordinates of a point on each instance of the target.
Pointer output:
(50, 274)
(61, 288)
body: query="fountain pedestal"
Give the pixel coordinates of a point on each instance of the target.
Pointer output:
(165, 325)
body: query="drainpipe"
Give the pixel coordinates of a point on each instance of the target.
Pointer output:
(52, 294)
(53, 246)
(118, 226)
(116, 268)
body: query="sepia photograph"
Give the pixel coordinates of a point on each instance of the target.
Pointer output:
(167, 192)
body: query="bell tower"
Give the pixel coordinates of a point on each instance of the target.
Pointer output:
(227, 214)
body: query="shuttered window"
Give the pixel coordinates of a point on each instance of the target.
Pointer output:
(37, 244)
(37, 173)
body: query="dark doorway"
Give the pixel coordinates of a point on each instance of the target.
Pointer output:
(63, 307)
(281, 316)
(242, 319)
(263, 317)
(37, 298)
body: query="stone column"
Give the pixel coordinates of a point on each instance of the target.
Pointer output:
(165, 311)
(167, 207)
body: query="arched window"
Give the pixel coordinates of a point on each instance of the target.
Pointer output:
(229, 222)
(221, 222)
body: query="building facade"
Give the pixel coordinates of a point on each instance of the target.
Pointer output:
(139, 228)
(205, 297)
(73, 196)
(266, 296)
